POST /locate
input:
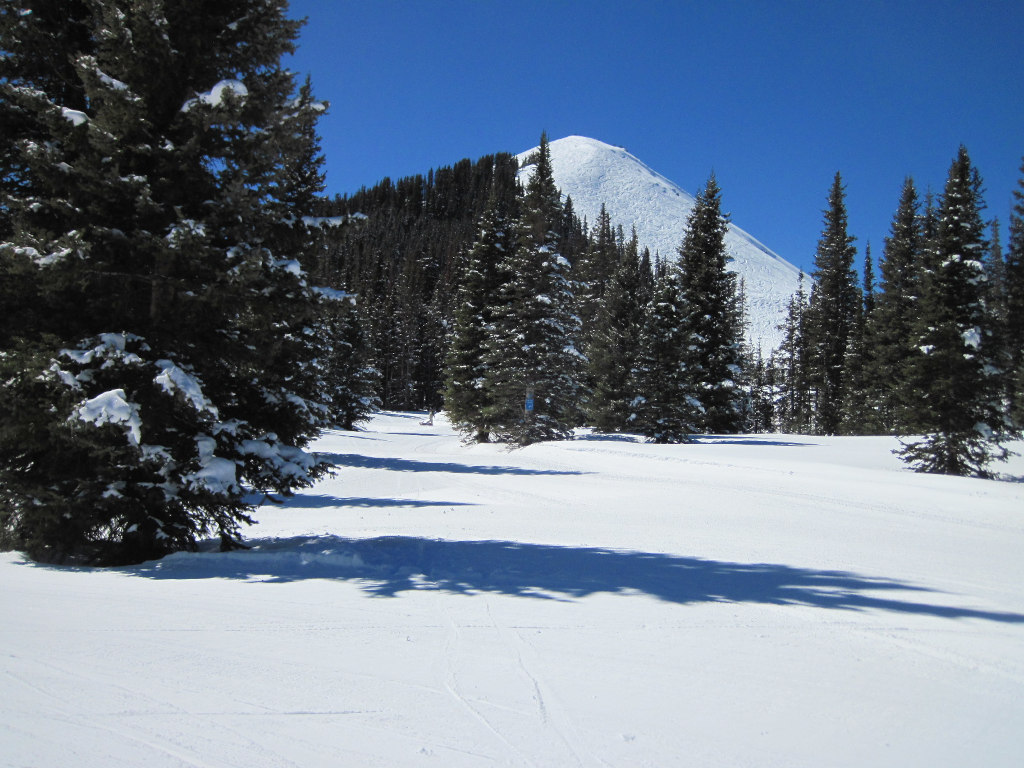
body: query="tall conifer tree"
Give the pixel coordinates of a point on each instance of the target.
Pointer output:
(1013, 307)
(467, 396)
(615, 340)
(714, 315)
(960, 389)
(164, 369)
(793, 405)
(832, 312)
(891, 322)
(533, 365)
(665, 407)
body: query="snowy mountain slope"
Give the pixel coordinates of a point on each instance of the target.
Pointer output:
(592, 172)
(756, 600)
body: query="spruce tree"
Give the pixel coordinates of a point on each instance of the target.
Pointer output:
(665, 407)
(615, 340)
(1013, 308)
(793, 404)
(831, 315)
(714, 315)
(533, 365)
(895, 308)
(952, 372)
(165, 367)
(466, 395)
(860, 411)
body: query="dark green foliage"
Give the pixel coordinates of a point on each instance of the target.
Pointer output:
(665, 408)
(891, 323)
(614, 343)
(593, 270)
(793, 405)
(467, 396)
(160, 362)
(530, 352)
(714, 354)
(860, 412)
(405, 262)
(960, 406)
(763, 385)
(831, 314)
(1013, 308)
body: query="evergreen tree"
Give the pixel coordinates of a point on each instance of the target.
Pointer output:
(714, 316)
(895, 308)
(466, 395)
(861, 414)
(405, 262)
(831, 315)
(793, 405)
(665, 407)
(1013, 307)
(593, 270)
(761, 417)
(959, 387)
(166, 365)
(533, 365)
(615, 341)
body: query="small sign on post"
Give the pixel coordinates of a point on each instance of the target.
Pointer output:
(528, 406)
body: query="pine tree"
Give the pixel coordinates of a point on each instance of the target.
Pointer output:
(165, 368)
(793, 405)
(860, 411)
(593, 270)
(831, 314)
(953, 372)
(467, 397)
(665, 406)
(890, 323)
(615, 340)
(533, 365)
(762, 417)
(714, 316)
(1013, 307)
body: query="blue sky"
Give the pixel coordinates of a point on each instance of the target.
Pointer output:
(774, 97)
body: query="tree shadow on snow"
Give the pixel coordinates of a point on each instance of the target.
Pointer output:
(310, 501)
(392, 565)
(610, 437)
(413, 465)
(740, 440)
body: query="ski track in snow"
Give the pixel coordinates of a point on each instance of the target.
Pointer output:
(768, 600)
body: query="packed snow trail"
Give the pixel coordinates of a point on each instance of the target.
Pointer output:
(764, 600)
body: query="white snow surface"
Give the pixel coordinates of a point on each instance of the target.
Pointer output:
(765, 600)
(592, 172)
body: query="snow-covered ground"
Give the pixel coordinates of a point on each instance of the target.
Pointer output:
(741, 601)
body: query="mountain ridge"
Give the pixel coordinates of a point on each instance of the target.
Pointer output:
(593, 173)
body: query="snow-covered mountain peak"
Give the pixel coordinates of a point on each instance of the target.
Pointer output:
(593, 173)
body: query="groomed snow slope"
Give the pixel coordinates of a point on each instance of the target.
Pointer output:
(592, 172)
(741, 601)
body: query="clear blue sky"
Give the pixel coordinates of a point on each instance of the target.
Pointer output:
(774, 97)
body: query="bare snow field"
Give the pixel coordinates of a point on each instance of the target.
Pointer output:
(765, 600)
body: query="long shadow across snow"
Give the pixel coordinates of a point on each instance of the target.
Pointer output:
(392, 565)
(313, 501)
(413, 465)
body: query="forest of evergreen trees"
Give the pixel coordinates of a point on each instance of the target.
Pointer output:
(930, 345)
(183, 310)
